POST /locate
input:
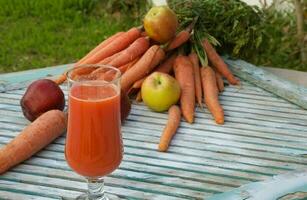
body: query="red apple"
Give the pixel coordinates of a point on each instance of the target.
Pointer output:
(41, 96)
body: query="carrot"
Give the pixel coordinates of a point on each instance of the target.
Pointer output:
(182, 37)
(132, 91)
(170, 129)
(167, 65)
(109, 59)
(118, 44)
(198, 90)
(100, 46)
(129, 65)
(138, 83)
(218, 63)
(184, 74)
(211, 94)
(82, 71)
(158, 56)
(123, 68)
(136, 49)
(61, 79)
(219, 81)
(140, 69)
(33, 138)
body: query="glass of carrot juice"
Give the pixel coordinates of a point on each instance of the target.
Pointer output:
(93, 146)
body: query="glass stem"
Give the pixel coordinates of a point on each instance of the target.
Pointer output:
(96, 189)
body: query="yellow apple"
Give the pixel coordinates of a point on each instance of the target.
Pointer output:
(160, 23)
(160, 91)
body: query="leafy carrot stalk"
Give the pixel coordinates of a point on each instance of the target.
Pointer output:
(181, 38)
(139, 96)
(118, 44)
(184, 74)
(219, 81)
(218, 63)
(174, 115)
(167, 65)
(211, 94)
(33, 138)
(136, 49)
(144, 65)
(198, 90)
(100, 46)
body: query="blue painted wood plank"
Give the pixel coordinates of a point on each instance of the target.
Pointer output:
(263, 136)
(292, 92)
(20, 79)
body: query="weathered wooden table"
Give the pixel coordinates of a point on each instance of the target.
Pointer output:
(263, 136)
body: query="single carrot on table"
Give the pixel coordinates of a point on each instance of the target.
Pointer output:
(140, 69)
(219, 81)
(211, 92)
(33, 138)
(118, 44)
(218, 63)
(174, 115)
(184, 74)
(198, 90)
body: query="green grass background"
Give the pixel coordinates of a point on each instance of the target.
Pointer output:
(39, 33)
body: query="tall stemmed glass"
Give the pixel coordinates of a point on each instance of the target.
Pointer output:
(93, 144)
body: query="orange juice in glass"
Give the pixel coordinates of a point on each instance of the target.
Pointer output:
(94, 145)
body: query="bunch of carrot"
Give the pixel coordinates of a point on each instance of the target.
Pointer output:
(137, 57)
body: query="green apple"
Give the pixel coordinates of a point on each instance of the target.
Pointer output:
(160, 23)
(160, 91)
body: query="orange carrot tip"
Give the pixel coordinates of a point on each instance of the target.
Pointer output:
(174, 115)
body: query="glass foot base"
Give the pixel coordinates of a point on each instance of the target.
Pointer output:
(92, 197)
